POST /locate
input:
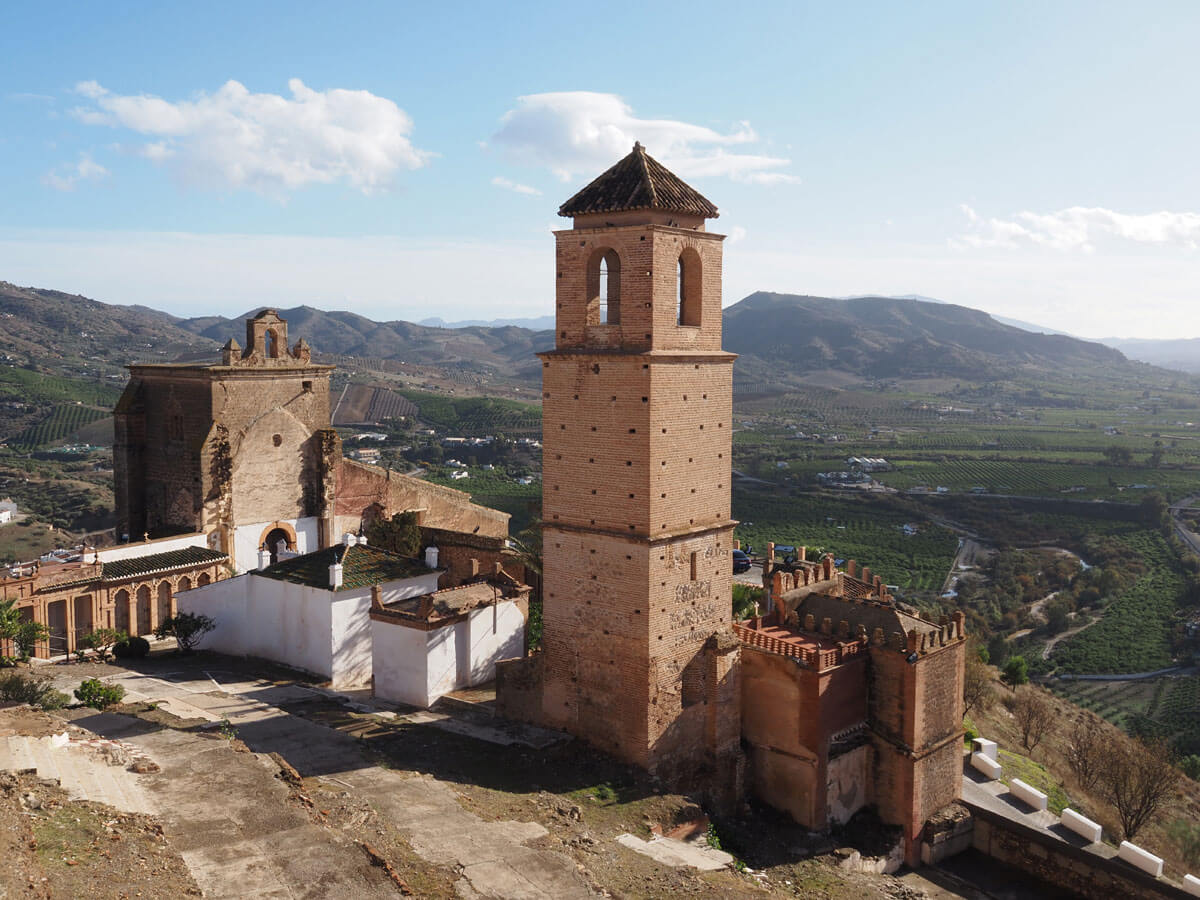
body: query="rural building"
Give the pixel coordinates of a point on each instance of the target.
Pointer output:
(132, 587)
(243, 452)
(361, 616)
(213, 465)
(841, 698)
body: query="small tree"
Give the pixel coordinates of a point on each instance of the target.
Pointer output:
(977, 684)
(27, 636)
(1087, 749)
(1138, 779)
(1190, 766)
(1016, 672)
(400, 534)
(1034, 716)
(186, 628)
(101, 640)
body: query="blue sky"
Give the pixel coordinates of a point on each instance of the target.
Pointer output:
(406, 160)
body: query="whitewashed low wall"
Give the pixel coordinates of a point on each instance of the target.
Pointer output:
(1027, 794)
(145, 548)
(1081, 825)
(985, 747)
(986, 765)
(1191, 884)
(1142, 859)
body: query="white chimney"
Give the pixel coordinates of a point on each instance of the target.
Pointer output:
(264, 558)
(349, 539)
(362, 540)
(335, 576)
(431, 555)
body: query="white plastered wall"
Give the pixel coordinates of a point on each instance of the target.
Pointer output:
(145, 548)
(417, 667)
(246, 540)
(324, 632)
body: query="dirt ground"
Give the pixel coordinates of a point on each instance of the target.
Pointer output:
(53, 847)
(583, 799)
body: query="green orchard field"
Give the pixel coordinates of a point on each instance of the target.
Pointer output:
(870, 532)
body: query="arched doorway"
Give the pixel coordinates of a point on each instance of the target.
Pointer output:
(185, 583)
(164, 601)
(203, 579)
(276, 540)
(121, 611)
(143, 611)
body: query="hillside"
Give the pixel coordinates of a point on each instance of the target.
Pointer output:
(76, 335)
(780, 335)
(506, 350)
(782, 340)
(1182, 353)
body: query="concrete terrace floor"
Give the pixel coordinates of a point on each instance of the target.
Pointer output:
(209, 798)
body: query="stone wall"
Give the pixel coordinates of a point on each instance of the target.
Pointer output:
(1064, 865)
(372, 491)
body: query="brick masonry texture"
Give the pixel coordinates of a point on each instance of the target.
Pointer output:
(636, 450)
(206, 448)
(639, 654)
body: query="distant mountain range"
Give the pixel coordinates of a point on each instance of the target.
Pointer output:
(780, 338)
(538, 323)
(892, 337)
(1182, 354)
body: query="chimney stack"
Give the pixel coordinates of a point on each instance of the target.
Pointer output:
(335, 576)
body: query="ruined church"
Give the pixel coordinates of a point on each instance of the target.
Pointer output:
(838, 698)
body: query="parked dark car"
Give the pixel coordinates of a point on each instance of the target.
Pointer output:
(741, 562)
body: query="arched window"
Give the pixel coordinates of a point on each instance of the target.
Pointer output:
(185, 584)
(689, 288)
(604, 288)
(203, 579)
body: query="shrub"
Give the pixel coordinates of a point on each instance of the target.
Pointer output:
(98, 695)
(102, 640)
(187, 629)
(131, 648)
(1186, 838)
(19, 687)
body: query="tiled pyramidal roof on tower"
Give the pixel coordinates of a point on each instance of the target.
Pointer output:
(638, 182)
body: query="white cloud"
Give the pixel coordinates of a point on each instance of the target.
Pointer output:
(736, 233)
(575, 133)
(1080, 228)
(66, 177)
(266, 142)
(501, 182)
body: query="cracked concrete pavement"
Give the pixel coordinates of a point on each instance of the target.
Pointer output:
(206, 797)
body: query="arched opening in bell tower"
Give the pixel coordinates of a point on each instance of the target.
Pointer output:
(688, 279)
(604, 288)
(272, 344)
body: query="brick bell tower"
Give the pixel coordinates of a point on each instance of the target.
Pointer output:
(639, 657)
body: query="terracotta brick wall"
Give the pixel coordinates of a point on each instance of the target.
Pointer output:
(636, 470)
